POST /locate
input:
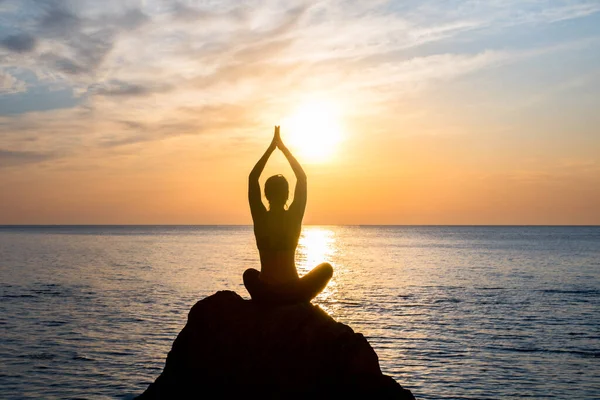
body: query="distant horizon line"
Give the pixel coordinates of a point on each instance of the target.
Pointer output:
(347, 225)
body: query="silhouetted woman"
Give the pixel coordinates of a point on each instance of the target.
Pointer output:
(277, 231)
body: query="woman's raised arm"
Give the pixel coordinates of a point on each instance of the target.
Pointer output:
(299, 204)
(254, 196)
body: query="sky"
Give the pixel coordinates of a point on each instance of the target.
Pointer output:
(444, 112)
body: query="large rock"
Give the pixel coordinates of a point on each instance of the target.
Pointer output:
(233, 347)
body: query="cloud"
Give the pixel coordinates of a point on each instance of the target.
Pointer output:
(11, 158)
(9, 84)
(567, 12)
(184, 13)
(181, 121)
(20, 43)
(57, 19)
(147, 62)
(129, 20)
(65, 65)
(72, 42)
(117, 88)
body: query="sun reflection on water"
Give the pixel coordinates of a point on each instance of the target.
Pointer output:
(318, 245)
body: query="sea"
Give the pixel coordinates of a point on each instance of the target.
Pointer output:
(453, 312)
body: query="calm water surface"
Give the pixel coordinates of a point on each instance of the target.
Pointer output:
(453, 312)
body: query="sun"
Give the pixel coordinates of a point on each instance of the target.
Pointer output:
(313, 131)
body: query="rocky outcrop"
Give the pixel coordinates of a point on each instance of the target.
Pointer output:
(233, 347)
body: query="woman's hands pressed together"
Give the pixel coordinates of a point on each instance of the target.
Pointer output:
(277, 142)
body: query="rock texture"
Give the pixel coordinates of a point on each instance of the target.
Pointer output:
(233, 347)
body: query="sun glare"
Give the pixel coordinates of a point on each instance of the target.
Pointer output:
(316, 245)
(313, 130)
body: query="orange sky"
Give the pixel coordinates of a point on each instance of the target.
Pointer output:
(470, 117)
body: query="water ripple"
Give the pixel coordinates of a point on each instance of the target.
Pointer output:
(452, 312)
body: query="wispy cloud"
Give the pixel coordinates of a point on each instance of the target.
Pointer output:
(119, 88)
(146, 63)
(9, 84)
(19, 43)
(10, 158)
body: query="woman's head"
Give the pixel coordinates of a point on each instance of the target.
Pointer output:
(277, 191)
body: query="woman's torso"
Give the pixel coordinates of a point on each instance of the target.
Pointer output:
(277, 237)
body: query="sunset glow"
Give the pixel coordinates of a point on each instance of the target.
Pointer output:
(153, 112)
(316, 245)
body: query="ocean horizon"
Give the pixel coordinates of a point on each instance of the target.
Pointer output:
(470, 312)
(342, 225)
